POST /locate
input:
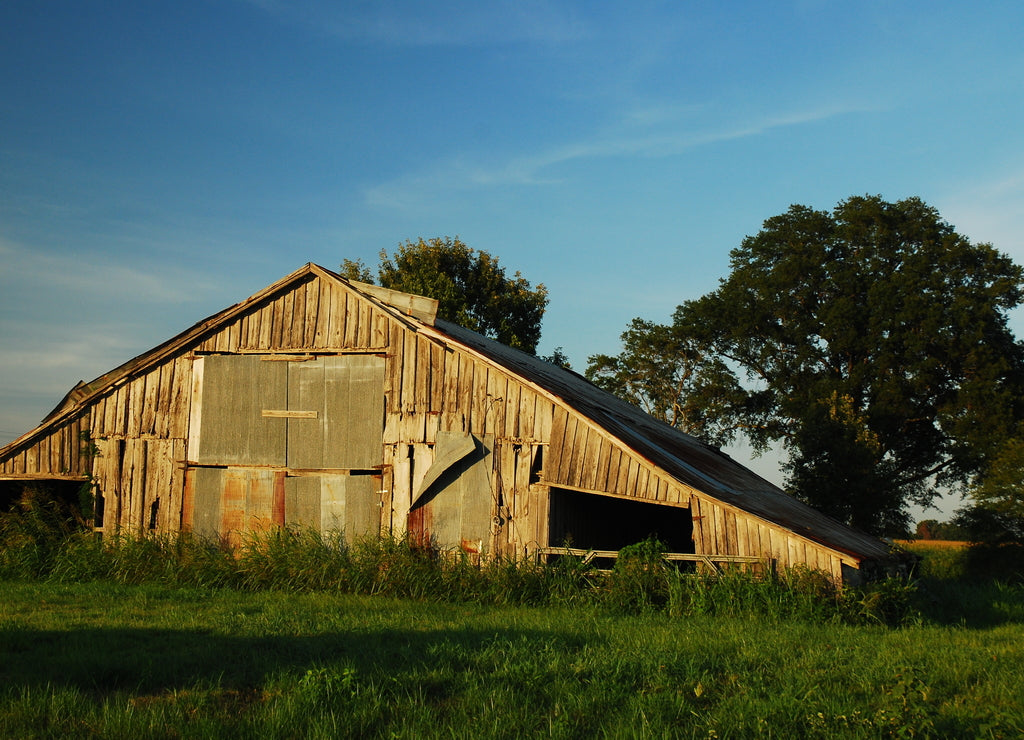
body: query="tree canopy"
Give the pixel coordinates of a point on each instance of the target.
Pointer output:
(870, 343)
(470, 286)
(996, 513)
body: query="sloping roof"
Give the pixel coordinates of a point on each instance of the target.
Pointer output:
(682, 456)
(685, 458)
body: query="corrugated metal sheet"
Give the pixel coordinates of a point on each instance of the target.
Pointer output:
(233, 430)
(456, 504)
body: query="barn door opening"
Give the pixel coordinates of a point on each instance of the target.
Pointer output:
(594, 522)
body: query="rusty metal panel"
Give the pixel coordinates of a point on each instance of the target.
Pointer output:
(302, 502)
(208, 485)
(232, 506)
(259, 499)
(233, 430)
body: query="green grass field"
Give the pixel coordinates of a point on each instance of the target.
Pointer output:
(176, 639)
(105, 660)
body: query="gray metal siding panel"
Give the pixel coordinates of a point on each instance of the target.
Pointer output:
(233, 430)
(302, 502)
(350, 504)
(306, 445)
(354, 411)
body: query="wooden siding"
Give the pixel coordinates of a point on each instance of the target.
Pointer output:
(145, 423)
(63, 452)
(582, 458)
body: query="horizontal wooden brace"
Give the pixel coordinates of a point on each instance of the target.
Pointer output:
(288, 414)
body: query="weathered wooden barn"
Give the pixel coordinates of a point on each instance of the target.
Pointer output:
(338, 405)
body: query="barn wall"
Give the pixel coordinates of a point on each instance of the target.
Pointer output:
(63, 452)
(143, 423)
(429, 389)
(583, 458)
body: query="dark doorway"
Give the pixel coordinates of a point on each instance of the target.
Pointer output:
(593, 522)
(60, 497)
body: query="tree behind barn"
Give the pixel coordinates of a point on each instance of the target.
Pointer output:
(870, 343)
(470, 286)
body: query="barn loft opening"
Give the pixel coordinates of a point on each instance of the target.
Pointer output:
(594, 522)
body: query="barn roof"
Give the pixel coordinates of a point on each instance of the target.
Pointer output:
(693, 463)
(687, 459)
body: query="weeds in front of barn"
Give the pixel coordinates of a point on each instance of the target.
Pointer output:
(42, 543)
(44, 539)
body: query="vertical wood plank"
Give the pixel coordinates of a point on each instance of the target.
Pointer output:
(513, 393)
(631, 476)
(409, 374)
(553, 464)
(311, 314)
(643, 477)
(350, 313)
(424, 375)
(465, 394)
(299, 317)
(365, 332)
(178, 413)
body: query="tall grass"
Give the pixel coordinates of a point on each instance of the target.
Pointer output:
(40, 544)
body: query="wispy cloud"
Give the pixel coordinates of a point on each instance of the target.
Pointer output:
(654, 132)
(91, 276)
(451, 22)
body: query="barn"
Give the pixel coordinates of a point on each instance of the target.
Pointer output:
(327, 403)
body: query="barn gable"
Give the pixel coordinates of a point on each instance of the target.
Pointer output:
(337, 405)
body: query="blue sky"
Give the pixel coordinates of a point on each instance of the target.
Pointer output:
(160, 161)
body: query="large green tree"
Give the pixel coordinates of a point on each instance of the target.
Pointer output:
(996, 512)
(869, 343)
(470, 286)
(670, 376)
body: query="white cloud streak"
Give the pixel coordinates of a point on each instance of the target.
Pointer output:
(653, 132)
(93, 276)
